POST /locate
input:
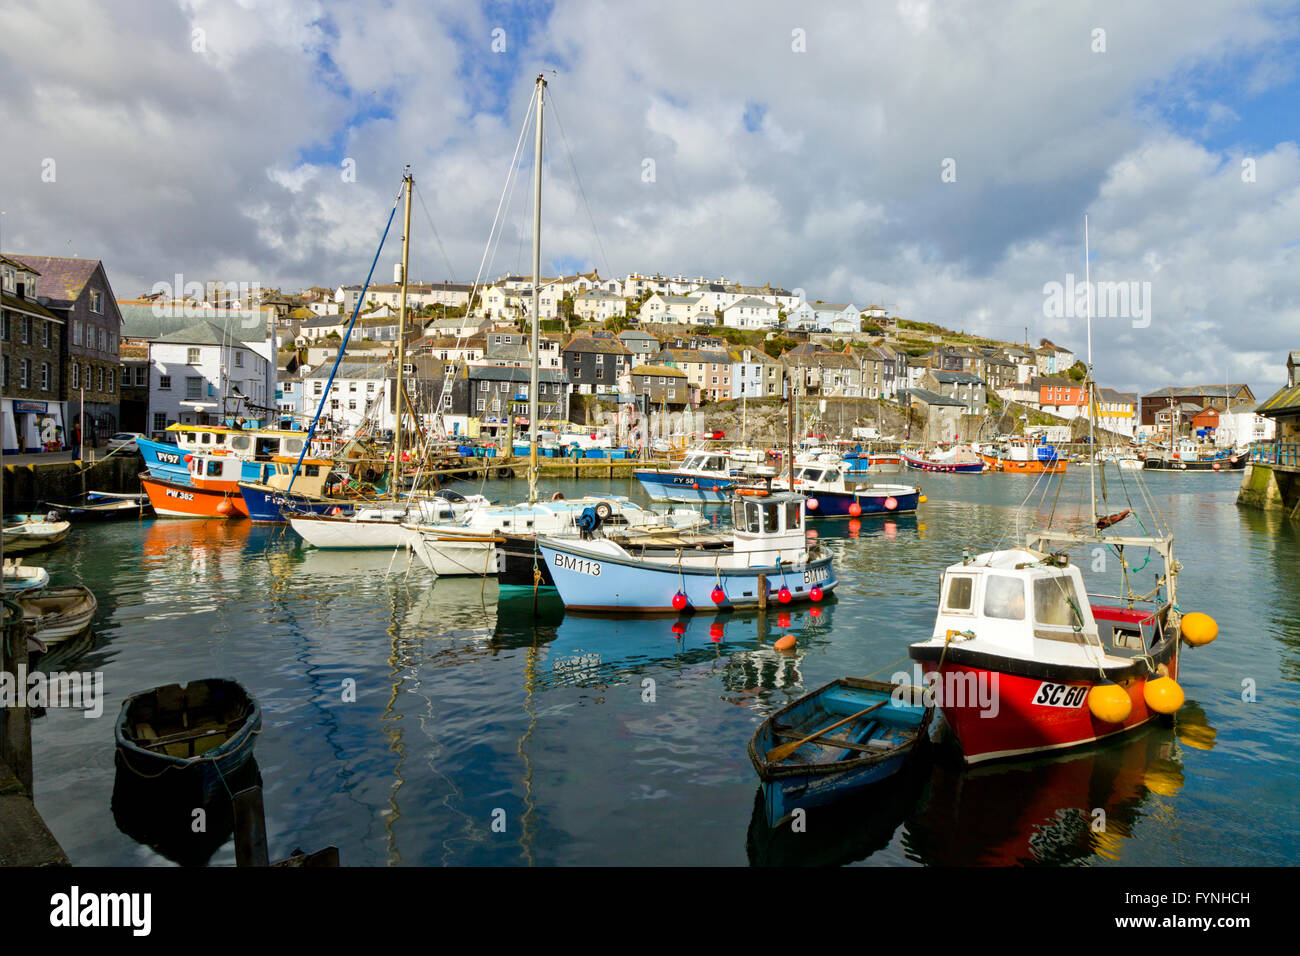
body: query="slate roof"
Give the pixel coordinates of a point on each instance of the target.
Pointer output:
(1285, 401)
(665, 370)
(29, 306)
(202, 332)
(956, 378)
(929, 397)
(609, 346)
(140, 322)
(62, 279)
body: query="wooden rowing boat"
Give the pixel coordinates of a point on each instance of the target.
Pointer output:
(851, 733)
(58, 613)
(30, 536)
(194, 735)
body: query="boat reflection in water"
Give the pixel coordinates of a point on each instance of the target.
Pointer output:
(895, 527)
(584, 650)
(157, 815)
(1045, 811)
(847, 831)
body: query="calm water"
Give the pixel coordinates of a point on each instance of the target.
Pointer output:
(467, 706)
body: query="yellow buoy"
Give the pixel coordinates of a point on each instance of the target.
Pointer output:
(1163, 695)
(786, 643)
(923, 499)
(1199, 629)
(1110, 703)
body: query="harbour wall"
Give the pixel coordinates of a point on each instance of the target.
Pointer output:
(27, 486)
(1269, 488)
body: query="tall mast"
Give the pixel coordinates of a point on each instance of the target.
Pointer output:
(1088, 383)
(401, 339)
(537, 284)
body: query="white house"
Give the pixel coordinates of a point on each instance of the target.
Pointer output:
(192, 370)
(360, 391)
(678, 309)
(599, 305)
(822, 316)
(1240, 425)
(750, 313)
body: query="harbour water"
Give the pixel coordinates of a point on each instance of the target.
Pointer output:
(481, 734)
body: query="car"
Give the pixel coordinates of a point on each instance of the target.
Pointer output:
(125, 441)
(715, 434)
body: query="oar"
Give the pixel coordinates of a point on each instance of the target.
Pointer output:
(777, 754)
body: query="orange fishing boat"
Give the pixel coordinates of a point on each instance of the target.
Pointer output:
(211, 492)
(1022, 458)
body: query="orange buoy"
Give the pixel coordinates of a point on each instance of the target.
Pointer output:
(786, 643)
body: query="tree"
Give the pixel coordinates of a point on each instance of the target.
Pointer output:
(1078, 371)
(777, 345)
(566, 310)
(616, 323)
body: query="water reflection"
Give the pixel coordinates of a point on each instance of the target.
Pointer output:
(1064, 810)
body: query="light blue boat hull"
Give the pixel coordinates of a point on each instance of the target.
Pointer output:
(688, 489)
(587, 583)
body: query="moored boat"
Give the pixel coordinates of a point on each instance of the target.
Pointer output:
(195, 734)
(34, 535)
(831, 493)
(173, 499)
(958, 459)
(837, 740)
(306, 487)
(381, 526)
(18, 578)
(1024, 458)
(58, 614)
(770, 561)
(101, 506)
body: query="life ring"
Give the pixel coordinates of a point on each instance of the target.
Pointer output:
(752, 492)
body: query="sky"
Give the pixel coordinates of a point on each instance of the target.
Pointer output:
(936, 158)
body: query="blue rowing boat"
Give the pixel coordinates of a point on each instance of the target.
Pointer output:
(850, 734)
(189, 737)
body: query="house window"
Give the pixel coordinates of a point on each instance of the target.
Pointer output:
(352, 404)
(112, 382)
(191, 356)
(100, 386)
(446, 402)
(141, 376)
(4, 326)
(45, 335)
(96, 301)
(239, 359)
(27, 329)
(193, 388)
(24, 373)
(45, 376)
(164, 383)
(159, 421)
(318, 387)
(103, 339)
(481, 404)
(484, 386)
(76, 376)
(126, 377)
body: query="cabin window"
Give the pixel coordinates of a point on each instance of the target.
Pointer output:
(960, 591)
(812, 474)
(214, 469)
(220, 438)
(1004, 597)
(291, 446)
(1055, 603)
(206, 438)
(239, 442)
(311, 471)
(791, 515)
(771, 517)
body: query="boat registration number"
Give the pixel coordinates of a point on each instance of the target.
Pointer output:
(815, 575)
(169, 458)
(182, 495)
(1060, 695)
(581, 565)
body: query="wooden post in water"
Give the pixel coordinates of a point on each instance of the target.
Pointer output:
(762, 592)
(250, 828)
(16, 722)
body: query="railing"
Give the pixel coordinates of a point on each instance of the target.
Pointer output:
(1275, 453)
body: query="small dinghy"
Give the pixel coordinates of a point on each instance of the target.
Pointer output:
(34, 535)
(840, 738)
(58, 613)
(193, 735)
(18, 578)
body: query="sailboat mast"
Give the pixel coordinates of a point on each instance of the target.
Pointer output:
(1088, 383)
(401, 339)
(537, 286)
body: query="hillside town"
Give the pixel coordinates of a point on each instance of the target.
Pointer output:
(78, 358)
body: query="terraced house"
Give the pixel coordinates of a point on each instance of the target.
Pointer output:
(78, 292)
(31, 393)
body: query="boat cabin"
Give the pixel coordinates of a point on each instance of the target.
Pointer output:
(254, 444)
(715, 462)
(1026, 603)
(770, 529)
(218, 472)
(313, 476)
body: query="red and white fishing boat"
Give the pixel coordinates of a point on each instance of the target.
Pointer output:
(1023, 661)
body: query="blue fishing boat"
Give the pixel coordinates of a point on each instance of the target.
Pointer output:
(842, 737)
(311, 492)
(703, 475)
(770, 561)
(189, 737)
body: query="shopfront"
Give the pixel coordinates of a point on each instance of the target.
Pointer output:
(32, 427)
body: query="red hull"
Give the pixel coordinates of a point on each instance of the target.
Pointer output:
(173, 500)
(1007, 466)
(1020, 726)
